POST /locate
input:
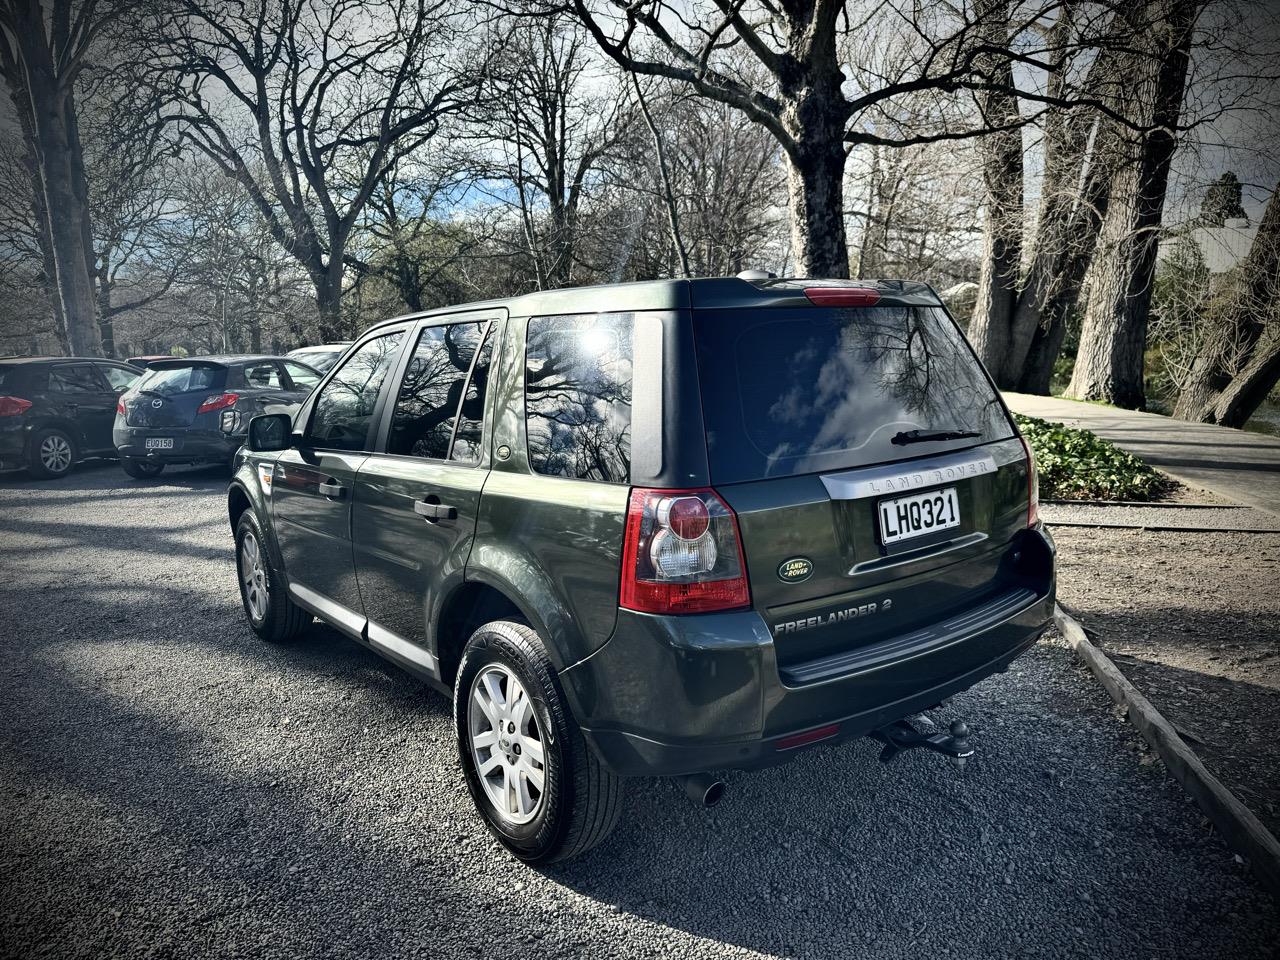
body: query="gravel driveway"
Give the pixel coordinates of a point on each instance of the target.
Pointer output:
(169, 786)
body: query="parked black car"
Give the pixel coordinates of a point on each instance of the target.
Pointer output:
(655, 529)
(196, 410)
(55, 411)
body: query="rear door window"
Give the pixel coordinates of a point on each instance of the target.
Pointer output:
(75, 378)
(801, 391)
(303, 377)
(263, 376)
(578, 380)
(344, 408)
(171, 381)
(433, 391)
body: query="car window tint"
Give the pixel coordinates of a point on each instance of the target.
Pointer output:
(427, 403)
(344, 408)
(466, 439)
(75, 378)
(264, 376)
(303, 378)
(578, 396)
(119, 378)
(170, 381)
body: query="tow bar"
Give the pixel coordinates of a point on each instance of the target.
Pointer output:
(901, 735)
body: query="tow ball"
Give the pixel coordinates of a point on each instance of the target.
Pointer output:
(901, 735)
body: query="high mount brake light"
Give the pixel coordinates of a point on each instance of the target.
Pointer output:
(219, 401)
(842, 296)
(682, 554)
(1033, 485)
(13, 406)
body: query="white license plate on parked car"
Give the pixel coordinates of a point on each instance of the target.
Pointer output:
(904, 517)
(160, 443)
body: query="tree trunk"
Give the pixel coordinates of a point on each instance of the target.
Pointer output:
(62, 179)
(1230, 365)
(990, 330)
(1109, 365)
(815, 183)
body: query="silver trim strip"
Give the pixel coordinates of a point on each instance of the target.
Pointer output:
(901, 477)
(396, 644)
(344, 618)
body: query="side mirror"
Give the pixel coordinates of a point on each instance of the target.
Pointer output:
(270, 432)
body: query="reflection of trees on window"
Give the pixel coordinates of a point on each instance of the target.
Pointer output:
(578, 396)
(345, 405)
(466, 440)
(920, 360)
(429, 397)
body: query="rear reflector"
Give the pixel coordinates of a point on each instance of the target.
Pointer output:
(842, 296)
(808, 736)
(13, 406)
(682, 553)
(219, 401)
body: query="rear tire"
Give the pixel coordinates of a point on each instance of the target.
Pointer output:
(51, 454)
(271, 614)
(505, 670)
(141, 469)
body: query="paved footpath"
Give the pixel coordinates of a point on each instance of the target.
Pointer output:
(1236, 464)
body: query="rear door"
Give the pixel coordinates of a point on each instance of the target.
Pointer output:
(417, 495)
(88, 400)
(877, 479)
(312, 487)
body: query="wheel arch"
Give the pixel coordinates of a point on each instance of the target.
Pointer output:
(470, 606)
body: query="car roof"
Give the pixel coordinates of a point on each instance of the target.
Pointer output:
(703, 293)
(222, 360)
(325, 347)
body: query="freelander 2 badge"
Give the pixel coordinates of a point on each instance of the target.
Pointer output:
(795, 570)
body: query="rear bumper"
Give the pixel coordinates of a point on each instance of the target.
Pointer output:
(676, 695)
(189, 445)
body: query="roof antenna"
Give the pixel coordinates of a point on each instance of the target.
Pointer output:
(757, 275)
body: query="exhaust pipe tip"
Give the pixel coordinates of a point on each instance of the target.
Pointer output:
(703, 789)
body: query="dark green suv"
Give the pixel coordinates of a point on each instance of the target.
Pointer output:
(655, 529)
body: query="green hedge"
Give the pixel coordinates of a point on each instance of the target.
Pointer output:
(1079, 465)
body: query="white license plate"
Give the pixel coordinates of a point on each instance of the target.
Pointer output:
(918, 514)
(160, 443)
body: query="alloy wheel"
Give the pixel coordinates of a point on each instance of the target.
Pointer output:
(55, 453)
(506, 744)
(254, 576)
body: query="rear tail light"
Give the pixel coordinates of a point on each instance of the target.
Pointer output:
(120, 405)
(842, 296)
(682, 554)
(1033, 485)
(13, 406)
(219, 401)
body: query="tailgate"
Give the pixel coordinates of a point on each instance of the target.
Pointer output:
(823, 575)
(170, 393)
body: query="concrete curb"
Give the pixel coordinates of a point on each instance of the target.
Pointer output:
(1242, 831)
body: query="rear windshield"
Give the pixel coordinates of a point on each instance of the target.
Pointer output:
(168, 380)
(801, 391)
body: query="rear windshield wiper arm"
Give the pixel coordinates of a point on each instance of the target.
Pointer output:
(918, 436)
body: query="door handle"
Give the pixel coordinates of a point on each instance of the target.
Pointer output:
(332, 488)
(435, 511)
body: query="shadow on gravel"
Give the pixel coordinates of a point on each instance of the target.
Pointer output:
(106, 474)
(152, 541)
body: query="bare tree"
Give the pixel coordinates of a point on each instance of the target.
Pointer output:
(42, 54)
(308, 105)
(1238, 362)
(555, 123)
(1109, 364)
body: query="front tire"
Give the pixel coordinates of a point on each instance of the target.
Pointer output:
(141, 469)
(51, 454)
(541, 791)
(272, 615)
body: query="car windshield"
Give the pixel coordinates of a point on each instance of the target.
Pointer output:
(802, 391)
(168, 380)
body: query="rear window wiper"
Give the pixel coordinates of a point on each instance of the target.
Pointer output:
(919, 436)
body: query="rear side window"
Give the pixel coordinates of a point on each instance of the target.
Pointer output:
(119, 378)
(801, 391)
(303, 377)
(263, 376)
(75, 378)
(170, 381)
(344, 408)
(433, 390)
(578, 396)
